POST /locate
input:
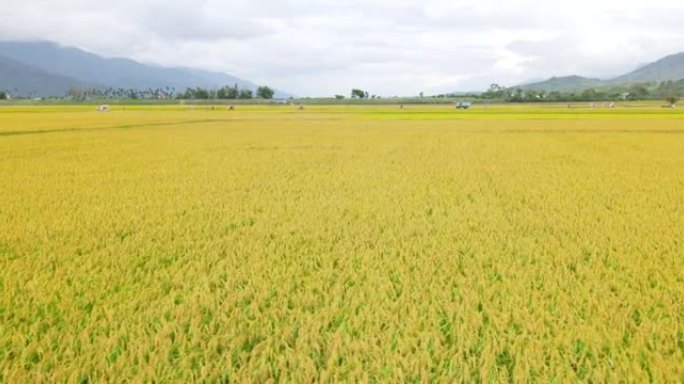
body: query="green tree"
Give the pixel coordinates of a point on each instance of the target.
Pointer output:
(517, 95)
(246, 94)
(672, 98)
(339, 97)
(75, 92)
(555, 96)
(232, 93)
(265, 92)
(3, 95)
(589, 94)
(201, 93)
(638, 92)
(228, 92)
(495, 91)
(358, 93)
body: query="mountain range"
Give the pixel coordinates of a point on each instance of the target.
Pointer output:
(668, 68)
(43, 69)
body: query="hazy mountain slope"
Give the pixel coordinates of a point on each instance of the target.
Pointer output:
(113, 72)
(563, 84)
(668, 68)
(24, 80)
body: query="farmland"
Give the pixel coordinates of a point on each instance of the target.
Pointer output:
(356, 244)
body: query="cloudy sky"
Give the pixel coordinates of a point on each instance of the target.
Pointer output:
(388, 47)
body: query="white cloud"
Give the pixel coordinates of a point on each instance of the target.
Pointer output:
(390, 47)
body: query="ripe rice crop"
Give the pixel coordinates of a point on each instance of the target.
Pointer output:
(341, 244)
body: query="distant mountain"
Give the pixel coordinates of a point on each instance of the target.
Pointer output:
(20, 79)
(563, 84)
(89, 68)
(668, 68)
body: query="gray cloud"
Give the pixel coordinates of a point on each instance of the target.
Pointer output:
(196, 21)
(390, 47)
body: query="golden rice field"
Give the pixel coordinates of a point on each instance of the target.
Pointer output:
(341, 244)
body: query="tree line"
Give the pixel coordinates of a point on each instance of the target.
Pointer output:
(669, 91)
(358, 94)
(227, 92)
